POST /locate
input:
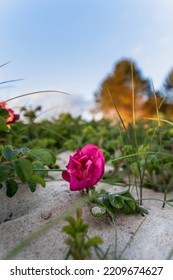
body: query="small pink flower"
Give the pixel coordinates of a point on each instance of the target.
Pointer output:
(12, 117)
(85, 168)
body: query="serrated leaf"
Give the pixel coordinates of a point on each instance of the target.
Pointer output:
(129, 206)
(9, 153)
(4, 172)
(129, 202)
(23, 169)
(106, 203)
(32, 183)
(39, 180)
(126, 194)
(12, 187)
(98, 211)
(43, 155)
(39, 168)
(116, 201)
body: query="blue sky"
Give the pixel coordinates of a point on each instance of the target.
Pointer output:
(72, 45)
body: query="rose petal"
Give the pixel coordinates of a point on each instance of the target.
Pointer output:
(66, 175)
(74, 164)
(99, 169)
(83, 160)
(76, 185)
(85, 168)
(89, 169)
(89, 150)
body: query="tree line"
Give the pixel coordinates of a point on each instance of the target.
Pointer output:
(126, 86)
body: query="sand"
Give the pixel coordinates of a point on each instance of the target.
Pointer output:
(31, 224)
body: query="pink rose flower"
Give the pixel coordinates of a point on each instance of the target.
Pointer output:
(12, 117)
(85, 168)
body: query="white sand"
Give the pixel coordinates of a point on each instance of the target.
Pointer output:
(26, 213)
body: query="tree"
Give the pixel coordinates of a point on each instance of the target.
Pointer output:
(168, 85)
(117, 89)
(168, 89)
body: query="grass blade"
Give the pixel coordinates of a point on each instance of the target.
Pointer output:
(36, 92)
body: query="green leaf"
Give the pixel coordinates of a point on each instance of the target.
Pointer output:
(4, 113)
(43, 155)
(71, 221)
(1, 149)
(129, 202)
(79, 214)
(83, 228)
(69, 230)
(23, 151)
(53, 156)
(23, 169)
(32, 185)
(4, 172)
(135, 169)
(106, 203)
(129, 206)
(39, 168)
(39, 180)
(9, 153)
(94, 241)
(3, 125)
(12, 187)
(116, 201)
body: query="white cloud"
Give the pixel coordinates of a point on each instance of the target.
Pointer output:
(53, 106)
